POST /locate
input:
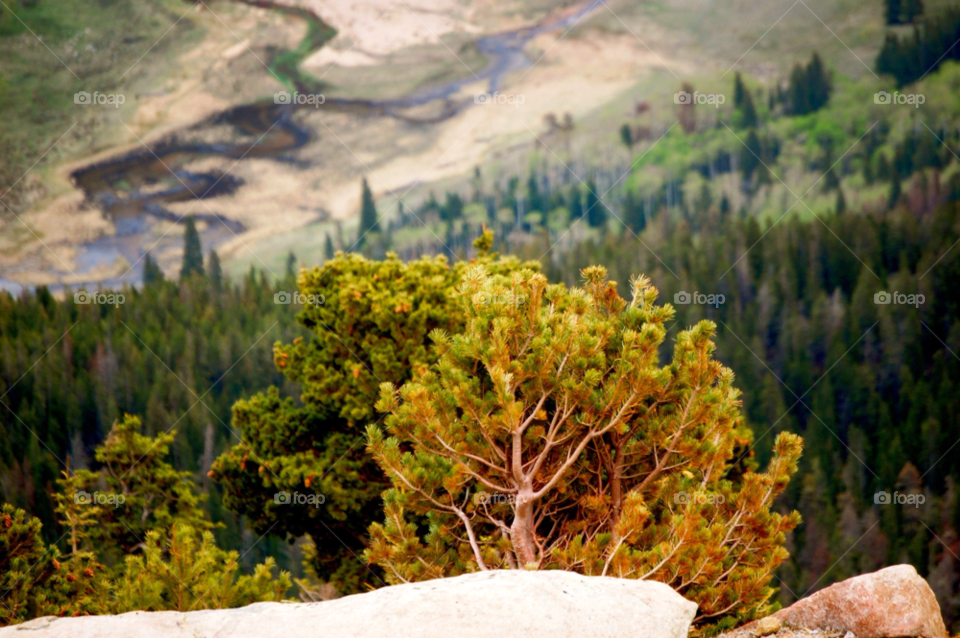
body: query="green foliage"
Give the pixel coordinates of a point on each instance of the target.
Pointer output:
(372, 327)
(186, 571)
(192, 251)
(155, 495)
(548, 436)
(145, 519)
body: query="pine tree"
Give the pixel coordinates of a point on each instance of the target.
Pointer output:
(369, 219)
(595, 210)
(750, 155)
(818, 83)
(496, 450)
(328, 250)
(155, 495)
(743, 103)
(912, 9)
(626, 136)
(151, 270)
(291, 270)
(576, 203)
(798, 96)
(214, 270)
(739, 91)
(192, 251)
(893, 11)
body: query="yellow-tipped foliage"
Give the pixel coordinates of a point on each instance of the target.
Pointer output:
(549, 436)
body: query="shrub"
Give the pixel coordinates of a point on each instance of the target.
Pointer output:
(547, 436)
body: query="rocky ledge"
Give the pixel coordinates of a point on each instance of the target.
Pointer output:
(495, 604)
(891, 603)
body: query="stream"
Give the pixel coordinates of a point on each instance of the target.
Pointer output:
(133, 189)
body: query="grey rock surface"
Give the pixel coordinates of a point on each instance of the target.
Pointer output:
(494, 604)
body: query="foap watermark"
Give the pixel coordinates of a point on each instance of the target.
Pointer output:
(101, 298)
(111, 99)
(284, 297)
(486, 498)
(682, 498)
(99, 498)
(898, 299)
(886, 498)
(286, 498)
(684, 298)
(516, 99)
(311, 99)
(913, 99)
(714, 99)
(508, 299)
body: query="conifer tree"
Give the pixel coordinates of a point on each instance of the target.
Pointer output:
(595, 210)
(912, 9)
(369, 219)
(818, 83)
(576, 203)
(626, 136)
(192, 251)
(214, 270)
(548, 436)
(739, 91)
(151, 270)
(893, 10)
(155, 495)
(328, 250)
(743, 103)
(750, 155)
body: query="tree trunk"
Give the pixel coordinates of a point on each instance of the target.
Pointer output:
(522, 531)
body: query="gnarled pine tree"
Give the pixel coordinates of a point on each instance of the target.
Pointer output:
(548, 436)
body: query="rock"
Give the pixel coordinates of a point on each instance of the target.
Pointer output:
(494, 604)
(767, 626)
(892, 602)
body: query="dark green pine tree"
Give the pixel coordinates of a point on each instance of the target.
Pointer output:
(747, 111)
(626, 136)
(893, 11)
(798, 98)
(369, 219)
(895, 192)
(750, 155)
(192, 251)
(214, 270)
(576, 203)
(151, 270)
(841, 202)
(596, 212)
(328, 251)
(818, 83)
(739, 90)
(534, 198)
(912, 9)
(291, 265)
